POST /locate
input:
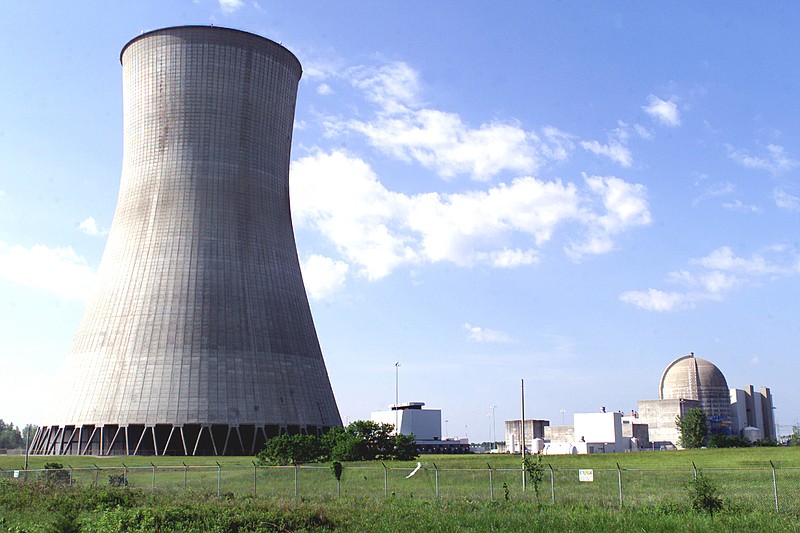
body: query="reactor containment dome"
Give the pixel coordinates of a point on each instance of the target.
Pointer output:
(692, 378)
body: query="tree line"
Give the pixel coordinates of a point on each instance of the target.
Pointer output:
(11, 436)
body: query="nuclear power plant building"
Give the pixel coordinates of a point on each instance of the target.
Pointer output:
(691, 382)
(199, 338)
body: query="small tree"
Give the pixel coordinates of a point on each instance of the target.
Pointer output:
(704, 494)
(535, 470)
(693, 427)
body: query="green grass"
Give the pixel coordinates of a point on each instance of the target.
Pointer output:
(781, 456)
(655, 494)
(46, 508)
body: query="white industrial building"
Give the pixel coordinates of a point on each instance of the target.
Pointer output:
(591, 433)
(425, 424)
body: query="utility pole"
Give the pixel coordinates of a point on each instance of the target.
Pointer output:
(523, 435)
(396, 398)
(494, 427)
(27, 431)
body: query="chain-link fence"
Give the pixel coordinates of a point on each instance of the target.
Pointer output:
(744, 488)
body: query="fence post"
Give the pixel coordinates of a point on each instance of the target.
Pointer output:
(255, 479)
(552, 484)
(185, 471)
(491, 486)
(774, 484)
(96, 474)
(385, 481)
(125, 475)
(219, 479)
(694, 466)
(295, 480)
(619, 477)
(70, 475)
(153, 483)
(436, 469)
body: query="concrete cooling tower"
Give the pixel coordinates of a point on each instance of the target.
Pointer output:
(199, 338)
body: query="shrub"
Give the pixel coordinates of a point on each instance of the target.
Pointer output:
(55, 473)
(704, 494)
(728, 441)
(360, 441)
(535, 470)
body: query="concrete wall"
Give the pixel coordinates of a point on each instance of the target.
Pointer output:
(659, 415)
(534, 429)
(559, 433)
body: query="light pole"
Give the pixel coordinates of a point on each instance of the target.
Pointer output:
(445, 429)
(562, 416)
(396, 398)
(494, 427)
(27, 431)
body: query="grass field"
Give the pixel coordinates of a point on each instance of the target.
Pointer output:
(161, 490)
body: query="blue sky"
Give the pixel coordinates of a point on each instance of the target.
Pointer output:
(572, 193)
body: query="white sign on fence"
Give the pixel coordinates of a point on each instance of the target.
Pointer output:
(586, 475)
(16, 473)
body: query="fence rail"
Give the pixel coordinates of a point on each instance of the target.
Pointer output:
(746, 488)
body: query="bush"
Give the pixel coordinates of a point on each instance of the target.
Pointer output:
(292, 449)
(535, 470)
(55, 473)
(728, 441)
(704, 495)
(360, 441)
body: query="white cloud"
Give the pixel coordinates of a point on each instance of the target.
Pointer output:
(59, 271)
(758, 263)
(479, 334)
(663, 111)
(324, 89)
(230, 6)
(613, 150)
(722, 272)
(642, 132)
(624, 206)
(394, 87)
(89, 227)
(716, 190)
(341, 197)
(775, 161)
(617, 147)
(656, 300)
(786, 201)
(440, 141)
(738, 205)
(378, 230)
(323, 276)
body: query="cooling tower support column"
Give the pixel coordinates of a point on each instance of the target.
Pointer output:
(199, 338)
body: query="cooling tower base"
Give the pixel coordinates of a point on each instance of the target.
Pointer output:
(160, 439)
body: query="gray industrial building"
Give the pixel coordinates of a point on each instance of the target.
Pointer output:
(199, 338)
(752, 413)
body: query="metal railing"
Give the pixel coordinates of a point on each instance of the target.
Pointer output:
(747, 488)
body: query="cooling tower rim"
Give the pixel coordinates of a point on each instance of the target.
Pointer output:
(217, 29)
